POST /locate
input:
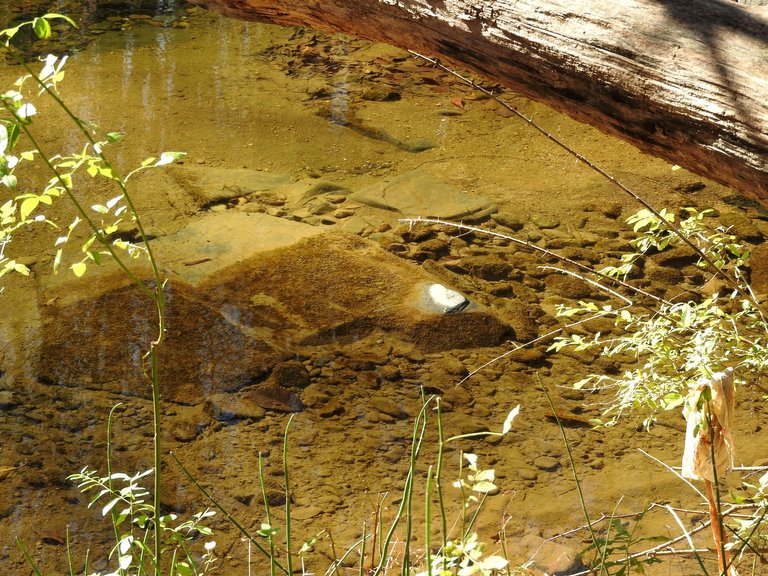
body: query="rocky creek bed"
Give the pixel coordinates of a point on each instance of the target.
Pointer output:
(295, 288)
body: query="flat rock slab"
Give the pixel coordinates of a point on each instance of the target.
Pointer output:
(419, 193)
(209, 186)
(263, 289)
(219, 240)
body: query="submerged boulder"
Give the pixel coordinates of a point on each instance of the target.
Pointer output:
(245, 293)
(100, 342)
(338, 288)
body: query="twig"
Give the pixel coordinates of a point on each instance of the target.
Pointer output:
(675, 472)
(670, 225)
(536, 248)
(517, 347)
(687, 536)
(664, 548)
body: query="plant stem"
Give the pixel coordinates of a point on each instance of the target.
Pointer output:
(155, 294)
(438, 476)
(713, 494)
(427, 521)
(717, 528)
(157, 501)
(361, 570)
(267, 515)
(572, 462)
(289, 560)
(113, 512)
(227, 515)
(418, 437)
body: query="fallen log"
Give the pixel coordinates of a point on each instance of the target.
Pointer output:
(683, 80)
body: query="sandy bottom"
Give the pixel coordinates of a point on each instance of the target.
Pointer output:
(238, 95)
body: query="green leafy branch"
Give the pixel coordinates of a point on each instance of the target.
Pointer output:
(675, 343)
(129, 502)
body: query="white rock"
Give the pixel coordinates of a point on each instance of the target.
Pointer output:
(446, 300)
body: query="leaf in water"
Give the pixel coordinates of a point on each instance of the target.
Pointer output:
(581, 383)
(78, 268)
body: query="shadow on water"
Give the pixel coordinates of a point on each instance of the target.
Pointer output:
(293, 287)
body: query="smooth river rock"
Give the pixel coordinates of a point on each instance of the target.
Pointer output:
(419, 193)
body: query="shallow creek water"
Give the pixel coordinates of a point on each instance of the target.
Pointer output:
(302, 106)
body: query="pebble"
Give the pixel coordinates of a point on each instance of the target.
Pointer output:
(454, 367)
(489, 268)
(509, 220)
(315, 394)
(390, 373)
(545, 222)
(185, 432)
(319, 207)
(546, 463)
(331, 408)
(551, 557)
(388, 408)
(6, 400)
(527, 474)
(291, 374)
(342, 213)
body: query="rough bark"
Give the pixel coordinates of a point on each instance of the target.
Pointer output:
(684, 80)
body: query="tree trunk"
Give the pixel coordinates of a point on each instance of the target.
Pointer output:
(684, 80)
